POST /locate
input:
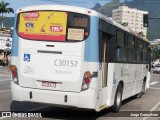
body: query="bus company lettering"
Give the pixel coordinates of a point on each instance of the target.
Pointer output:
(124, 72)
(65, 63)
(63, 72)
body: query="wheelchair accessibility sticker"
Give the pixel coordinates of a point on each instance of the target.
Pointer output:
(27, 57)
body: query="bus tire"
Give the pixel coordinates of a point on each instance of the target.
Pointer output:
(142, 90)
(118, 98)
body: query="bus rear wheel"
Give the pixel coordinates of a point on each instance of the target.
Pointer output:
(118, 99)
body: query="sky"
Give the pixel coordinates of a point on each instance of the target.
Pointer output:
(15, 4)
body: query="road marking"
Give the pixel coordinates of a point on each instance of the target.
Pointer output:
(153, 83)
(153, 109)
(154, 88)
(38, 108)
(4, 91)
(2, 75)
(3, 117)
(5, 75)
(5, 80)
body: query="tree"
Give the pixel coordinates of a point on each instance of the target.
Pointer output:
(156, 51)
(142, 34)
(4, 9)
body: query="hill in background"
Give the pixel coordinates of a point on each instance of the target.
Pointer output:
(108, 7)
(8, 22)
(97, 6)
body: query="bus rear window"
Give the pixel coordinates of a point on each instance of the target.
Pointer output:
(53, 26)
(78, 27)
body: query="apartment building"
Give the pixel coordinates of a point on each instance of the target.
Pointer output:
(130, 16)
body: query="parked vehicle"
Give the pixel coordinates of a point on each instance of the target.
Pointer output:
(153, 65)
(156, 69)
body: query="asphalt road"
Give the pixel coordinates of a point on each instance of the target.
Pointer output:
(150, 101)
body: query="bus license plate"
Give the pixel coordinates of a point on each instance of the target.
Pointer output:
(49, 84)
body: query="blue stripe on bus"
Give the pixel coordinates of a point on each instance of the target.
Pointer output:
(91, 53)
(15, 40)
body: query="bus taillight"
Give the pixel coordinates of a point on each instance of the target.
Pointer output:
(14, 74)
(86, 80)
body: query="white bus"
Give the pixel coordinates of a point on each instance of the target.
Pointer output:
(76, 57)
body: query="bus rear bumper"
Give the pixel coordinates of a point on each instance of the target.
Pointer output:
(84, 99)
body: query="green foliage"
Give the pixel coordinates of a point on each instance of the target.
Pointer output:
(156, 51)
(124, 24)
(4, 8)
(142, 34)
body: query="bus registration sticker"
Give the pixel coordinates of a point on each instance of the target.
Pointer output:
(75, 34)
(28, 69)
(49, 84)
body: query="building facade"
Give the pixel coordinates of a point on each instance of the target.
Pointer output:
(5, 41)
(130, 17)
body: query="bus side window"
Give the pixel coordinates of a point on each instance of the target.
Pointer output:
(131, 49)
(121, 55)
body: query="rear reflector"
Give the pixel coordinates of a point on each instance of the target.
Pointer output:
(15, 80)
(88, 74)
